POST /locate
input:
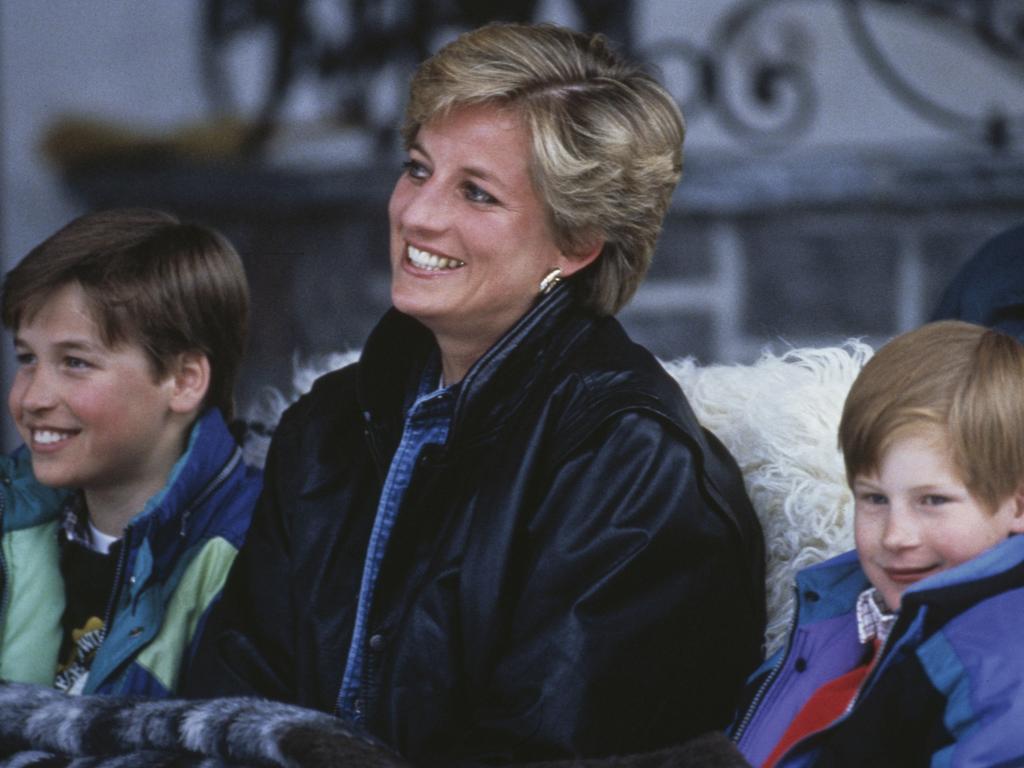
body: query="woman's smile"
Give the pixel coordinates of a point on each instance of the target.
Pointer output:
(431, 262)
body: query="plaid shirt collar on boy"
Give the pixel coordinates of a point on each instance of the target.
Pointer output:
(873, 620)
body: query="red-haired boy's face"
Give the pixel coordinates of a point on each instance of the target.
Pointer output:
(93, 417)
(915, 518)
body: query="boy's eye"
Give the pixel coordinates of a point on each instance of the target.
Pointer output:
(24, 358)
(875, 499)
(415, 169)
(934, 500)
(76, 363)
(476, 195)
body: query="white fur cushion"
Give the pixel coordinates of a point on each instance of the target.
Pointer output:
(779, 417)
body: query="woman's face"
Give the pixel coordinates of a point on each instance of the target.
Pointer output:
(470, 241)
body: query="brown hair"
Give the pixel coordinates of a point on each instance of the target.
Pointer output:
(963, 380)
(607, 138)
(150, 279)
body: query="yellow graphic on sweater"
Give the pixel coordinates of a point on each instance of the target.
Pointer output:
(86, 641)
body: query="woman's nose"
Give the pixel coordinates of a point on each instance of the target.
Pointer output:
(424, 208)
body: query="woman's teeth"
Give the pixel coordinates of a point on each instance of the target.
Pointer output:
(425, 260)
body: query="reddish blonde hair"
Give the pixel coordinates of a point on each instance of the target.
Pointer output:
(963, 380)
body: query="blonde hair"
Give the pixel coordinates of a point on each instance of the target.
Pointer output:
(960, 379)
(606, 138)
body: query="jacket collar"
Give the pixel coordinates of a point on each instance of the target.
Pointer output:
(838, 582)
(175, 518)
(400, 346)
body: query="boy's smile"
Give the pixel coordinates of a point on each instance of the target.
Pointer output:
(915, 517)
(94, 417)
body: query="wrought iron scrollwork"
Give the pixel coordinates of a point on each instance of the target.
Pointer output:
(754, 75)
(997, 25)
(755, 78)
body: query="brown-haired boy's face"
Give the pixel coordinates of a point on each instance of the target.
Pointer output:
(94, 417)
(915, 518)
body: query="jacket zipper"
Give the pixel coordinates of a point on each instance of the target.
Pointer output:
(849, 707)
(766, 684)
(108, 614)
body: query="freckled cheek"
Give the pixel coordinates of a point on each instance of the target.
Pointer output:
(861, 533)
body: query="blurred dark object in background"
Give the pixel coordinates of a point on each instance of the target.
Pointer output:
(989, 289)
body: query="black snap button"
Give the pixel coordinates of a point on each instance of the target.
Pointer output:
(811, 596)
(801, 665)
(359, 706)
(135, 632)
(377, 642)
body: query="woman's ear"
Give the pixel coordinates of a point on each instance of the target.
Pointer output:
(190, 381)
(582, 257)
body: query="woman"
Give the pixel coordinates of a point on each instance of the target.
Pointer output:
(502, 535)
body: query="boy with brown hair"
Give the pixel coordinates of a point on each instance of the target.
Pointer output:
(129, 327)
(907, 651)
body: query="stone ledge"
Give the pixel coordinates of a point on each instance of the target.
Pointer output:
(715, 183)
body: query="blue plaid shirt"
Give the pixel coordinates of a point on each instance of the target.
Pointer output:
(426, 423)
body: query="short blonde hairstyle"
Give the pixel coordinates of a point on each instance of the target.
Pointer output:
(965, 382)
(607, 138)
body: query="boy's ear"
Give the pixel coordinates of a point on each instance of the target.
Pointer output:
(190, 381)
(1017, 524)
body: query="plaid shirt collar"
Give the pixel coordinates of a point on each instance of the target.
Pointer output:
(873, 620)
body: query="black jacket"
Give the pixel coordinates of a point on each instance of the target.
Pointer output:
(577, 571)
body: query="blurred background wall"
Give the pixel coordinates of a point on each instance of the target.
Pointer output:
(844, 157)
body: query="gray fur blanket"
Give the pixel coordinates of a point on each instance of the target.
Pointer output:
(43, 728)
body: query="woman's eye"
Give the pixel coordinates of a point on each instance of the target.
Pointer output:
(476, 195)
(415, 169)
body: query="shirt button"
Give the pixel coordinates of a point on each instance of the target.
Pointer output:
(377, 643)
(801, 665)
